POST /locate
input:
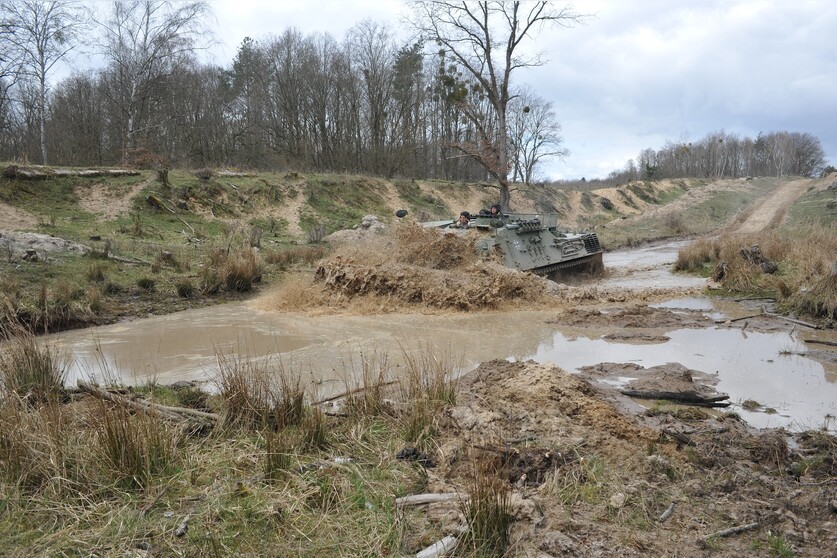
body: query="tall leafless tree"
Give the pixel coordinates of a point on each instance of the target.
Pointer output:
(485, 39)
(534, 135)
(146, 42)
(43, 33)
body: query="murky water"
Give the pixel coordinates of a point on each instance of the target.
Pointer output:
(647, 267)
(183, 346)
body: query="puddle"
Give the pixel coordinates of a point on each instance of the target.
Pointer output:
(647, 267)
(183, 346)
(325, 349)
(748, 366)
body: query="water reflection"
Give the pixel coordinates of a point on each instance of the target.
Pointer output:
(760, 366)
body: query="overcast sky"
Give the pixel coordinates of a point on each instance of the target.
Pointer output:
(636, 73)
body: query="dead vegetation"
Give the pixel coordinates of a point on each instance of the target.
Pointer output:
(413, 267)
(512, 459)
(799, 274)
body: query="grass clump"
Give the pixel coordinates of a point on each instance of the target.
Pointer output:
(230, 271)
(146, 283)
(134, 448)
(28, 370)
(257, 394)
(487, 513)
(805, 279)
(306, 255)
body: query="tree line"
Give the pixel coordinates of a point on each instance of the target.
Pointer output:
(366, 103)
(445, 106)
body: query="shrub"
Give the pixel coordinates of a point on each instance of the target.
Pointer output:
(145, 283)
(204, 173)
(185, 288)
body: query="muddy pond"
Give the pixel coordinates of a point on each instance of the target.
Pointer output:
(772, 368)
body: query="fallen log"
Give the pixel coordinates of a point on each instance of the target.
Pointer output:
(173, 413)
(432, 498)
(33, 173)
(687, 398)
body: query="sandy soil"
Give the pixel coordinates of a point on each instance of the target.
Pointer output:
(773, 209)
(15, 219)
(587, 479)
(109, 203)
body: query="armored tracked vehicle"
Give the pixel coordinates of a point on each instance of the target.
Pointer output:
(534, 243)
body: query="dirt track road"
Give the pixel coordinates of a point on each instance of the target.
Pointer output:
(772, 210)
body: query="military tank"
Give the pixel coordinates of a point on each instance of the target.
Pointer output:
(532, 242)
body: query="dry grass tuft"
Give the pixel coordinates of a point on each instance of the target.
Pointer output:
(257, 394)
(28, 370)
(232, 271)
(134, 448)
(368, 387)
(306, 255)
(487, 512)
(805, 257)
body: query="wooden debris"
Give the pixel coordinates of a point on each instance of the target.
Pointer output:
(679, 436)
(170, 413)
(352, 392)
(793, 320)
(183, 527)
(733, 531)
(666, 514)
(689, 398)
(738, 319)
(44, 173)
(821, 342)
(439, 548)
(431, 498)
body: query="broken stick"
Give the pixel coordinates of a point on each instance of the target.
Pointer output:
(733, 531)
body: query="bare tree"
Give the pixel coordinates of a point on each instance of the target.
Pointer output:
(43, 33)
(534, 135)
(484, 38)
(146, 41)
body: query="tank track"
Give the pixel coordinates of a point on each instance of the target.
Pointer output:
(591, 260)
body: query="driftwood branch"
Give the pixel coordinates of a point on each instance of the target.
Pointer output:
(352, 392)
(439, 548)
(666, 514)
(420, 499)
(173, 413)
(733, 531)
(821, 342)
(739, 319)
(689, 398)
(793, 320)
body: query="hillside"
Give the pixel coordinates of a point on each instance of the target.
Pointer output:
(146, 247)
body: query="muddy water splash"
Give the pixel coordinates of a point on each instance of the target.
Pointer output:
(750, 366)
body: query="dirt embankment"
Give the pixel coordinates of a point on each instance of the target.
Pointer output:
(585, 479)
(772, 210)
